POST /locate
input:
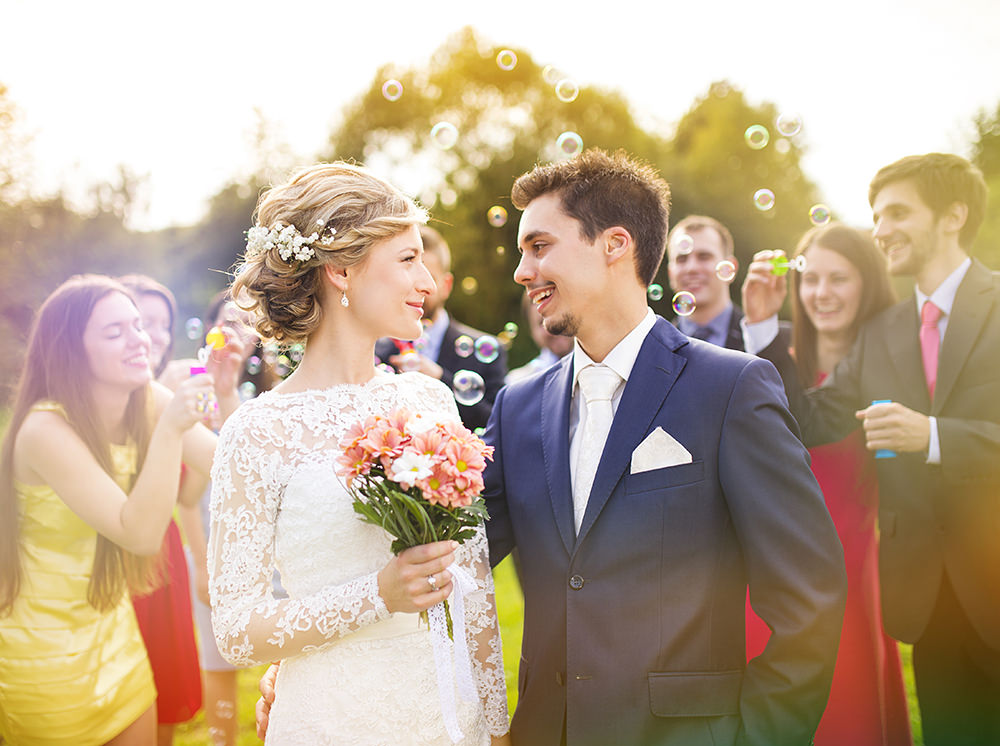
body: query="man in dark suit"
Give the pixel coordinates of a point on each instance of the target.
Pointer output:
(645, 480)
(448, 345)
(936, 358)
(701, 260)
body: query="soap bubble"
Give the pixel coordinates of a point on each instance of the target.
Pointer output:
(788, 124)
(464, 345)
(469, 387)
(487, 349)
(193, 328)
(506, 60)
(757, 136)
(683, 303)
(819, 214)
(655, 292)
(497, 216)
(444, 135)
(569, 143)
(763, 199)
(392, 90)
(567, 90)
(725, 270)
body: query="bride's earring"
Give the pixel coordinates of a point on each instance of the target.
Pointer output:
(343, 300)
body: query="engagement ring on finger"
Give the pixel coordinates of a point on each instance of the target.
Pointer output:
(432, 582)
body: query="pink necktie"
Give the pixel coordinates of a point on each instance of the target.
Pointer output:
(930, 342)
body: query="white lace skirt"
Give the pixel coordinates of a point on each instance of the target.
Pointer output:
(367, 692)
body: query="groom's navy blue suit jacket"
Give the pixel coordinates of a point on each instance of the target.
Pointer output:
(634, 630)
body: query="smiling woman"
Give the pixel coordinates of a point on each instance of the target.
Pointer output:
(82, 520)
(341, 266)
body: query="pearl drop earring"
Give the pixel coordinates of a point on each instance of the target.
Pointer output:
(343, 300)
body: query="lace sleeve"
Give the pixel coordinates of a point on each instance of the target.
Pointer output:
(252, 626)
(483, 633)
(482, 627)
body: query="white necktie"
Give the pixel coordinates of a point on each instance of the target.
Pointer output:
(598, 384)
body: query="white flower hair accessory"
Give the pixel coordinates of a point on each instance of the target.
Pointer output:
(290, 243)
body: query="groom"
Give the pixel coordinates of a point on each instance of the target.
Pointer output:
(645, 480)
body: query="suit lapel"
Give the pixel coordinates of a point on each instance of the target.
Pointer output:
(972, 306)
(556, 395)
(904, 355)
(653, 375)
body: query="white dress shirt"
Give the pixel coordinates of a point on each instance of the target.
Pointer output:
(620, 360)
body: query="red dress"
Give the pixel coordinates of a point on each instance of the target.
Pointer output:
(167, 628)
(867, 703)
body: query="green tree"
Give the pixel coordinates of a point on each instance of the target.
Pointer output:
(717, 169)
(506, 121)
(986, 155)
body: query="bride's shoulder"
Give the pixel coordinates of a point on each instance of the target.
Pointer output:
(429, 393)
(261, 411)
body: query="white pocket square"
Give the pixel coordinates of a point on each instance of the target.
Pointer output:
(659, 450)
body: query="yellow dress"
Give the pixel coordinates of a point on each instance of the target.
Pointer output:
(69, 674)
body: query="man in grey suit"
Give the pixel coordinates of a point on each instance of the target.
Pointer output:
(936, 359)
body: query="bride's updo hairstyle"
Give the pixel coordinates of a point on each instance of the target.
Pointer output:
(330, 213)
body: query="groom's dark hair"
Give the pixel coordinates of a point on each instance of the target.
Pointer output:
(602, 190)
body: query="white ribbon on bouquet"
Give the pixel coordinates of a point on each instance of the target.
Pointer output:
(463, 583)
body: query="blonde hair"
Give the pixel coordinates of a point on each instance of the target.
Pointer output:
(283, 296)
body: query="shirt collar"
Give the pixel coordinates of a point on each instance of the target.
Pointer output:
(434, 335)
(718, 326)
(623, 356)
(944, 295)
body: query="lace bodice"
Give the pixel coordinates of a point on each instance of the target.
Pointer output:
(277, 502)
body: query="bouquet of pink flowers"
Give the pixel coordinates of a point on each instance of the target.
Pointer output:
(417, 478)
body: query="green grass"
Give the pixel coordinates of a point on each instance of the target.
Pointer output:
(510, 605)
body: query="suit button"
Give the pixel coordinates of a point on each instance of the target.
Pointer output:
(576, 582)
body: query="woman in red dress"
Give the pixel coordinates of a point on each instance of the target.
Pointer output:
(164, 615)
(845, 282)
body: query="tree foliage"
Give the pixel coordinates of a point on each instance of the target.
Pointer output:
(986, 154)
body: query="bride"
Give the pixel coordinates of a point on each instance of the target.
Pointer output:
(335, 261)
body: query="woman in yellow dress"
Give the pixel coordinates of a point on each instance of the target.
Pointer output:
(88, 479)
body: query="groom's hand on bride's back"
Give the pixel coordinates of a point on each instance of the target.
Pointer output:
(263, 708)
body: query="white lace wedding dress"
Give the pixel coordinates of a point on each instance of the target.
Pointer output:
(351, 672)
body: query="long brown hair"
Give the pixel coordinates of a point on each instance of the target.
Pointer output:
(877, 294)
(56, 368)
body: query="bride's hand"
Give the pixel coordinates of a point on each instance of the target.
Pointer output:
(503, 740)
(406, 583)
